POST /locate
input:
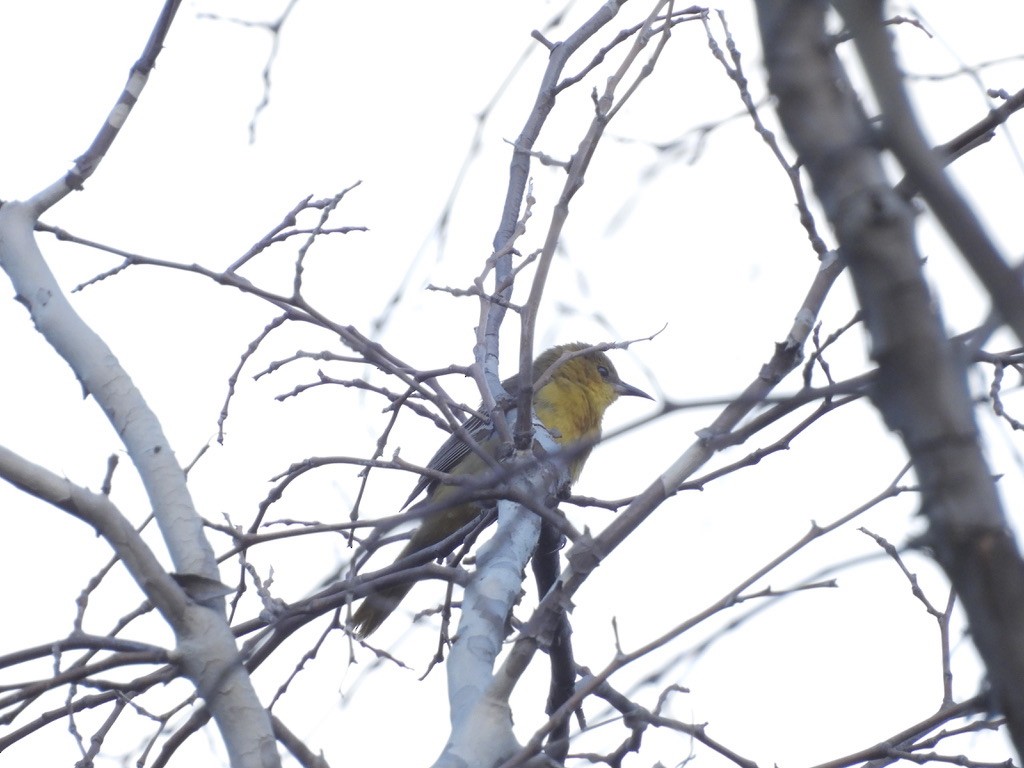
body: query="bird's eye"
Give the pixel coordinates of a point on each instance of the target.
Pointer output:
(603, 371)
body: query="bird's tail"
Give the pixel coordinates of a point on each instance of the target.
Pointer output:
(377, 606)
(381, 602)
(448, 529)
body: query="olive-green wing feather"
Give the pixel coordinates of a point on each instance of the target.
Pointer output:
(450, 454)
(454, 450)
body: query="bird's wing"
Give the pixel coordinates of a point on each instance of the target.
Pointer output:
(454, 450)
(451, 453)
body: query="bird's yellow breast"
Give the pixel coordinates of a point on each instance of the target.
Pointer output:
(571, 407)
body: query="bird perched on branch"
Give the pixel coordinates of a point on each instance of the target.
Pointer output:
(570, 403)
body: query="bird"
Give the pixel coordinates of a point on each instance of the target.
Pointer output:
(570, 403)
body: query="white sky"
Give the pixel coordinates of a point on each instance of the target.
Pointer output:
(388, 95)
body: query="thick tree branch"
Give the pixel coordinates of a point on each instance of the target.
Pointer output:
(205, 646)
(903, 135)
(921, 389)
(98, 511)
(87, 163)
(482, 718)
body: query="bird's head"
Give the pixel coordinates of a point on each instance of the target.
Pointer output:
(587, 376)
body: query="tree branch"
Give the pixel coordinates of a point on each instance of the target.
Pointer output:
(921, 390)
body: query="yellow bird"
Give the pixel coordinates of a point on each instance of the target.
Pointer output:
(570, 403)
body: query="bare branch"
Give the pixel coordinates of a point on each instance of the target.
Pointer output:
(87, 163)
(921, 390)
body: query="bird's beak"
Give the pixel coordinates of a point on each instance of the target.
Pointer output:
(629, 390)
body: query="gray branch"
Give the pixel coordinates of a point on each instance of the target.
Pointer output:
(921, 389)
